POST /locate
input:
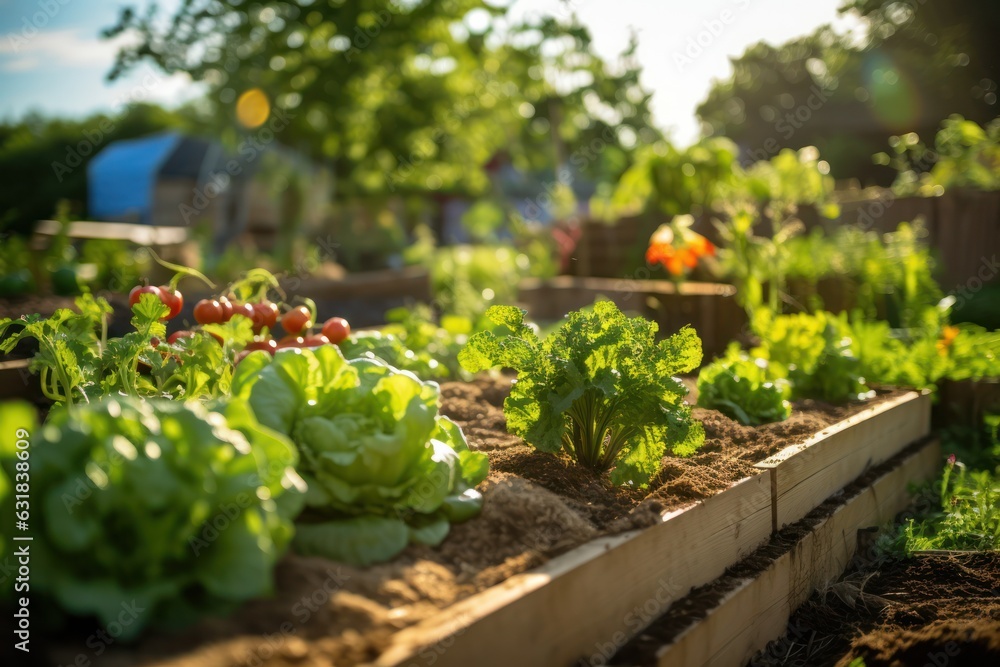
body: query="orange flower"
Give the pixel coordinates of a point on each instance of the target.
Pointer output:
(948, 336)
(678, 251)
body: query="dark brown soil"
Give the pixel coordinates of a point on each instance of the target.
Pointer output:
(536, 506)
(32, 304)
(929, 610)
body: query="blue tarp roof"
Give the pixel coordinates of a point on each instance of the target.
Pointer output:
(121, 178)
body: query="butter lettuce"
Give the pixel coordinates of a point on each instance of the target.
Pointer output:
(163, 506)
(383, 468)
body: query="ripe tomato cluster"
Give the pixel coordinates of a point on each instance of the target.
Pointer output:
(265, 316)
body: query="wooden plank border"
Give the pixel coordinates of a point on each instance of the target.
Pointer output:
(593, 599)
(804, 475)
(759, 609)
(589, 602)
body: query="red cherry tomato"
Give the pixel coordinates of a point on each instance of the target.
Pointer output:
(173, 299)
(296, 320)
(240, 356)
(154, 341)
(268, 345)
(136, 294)
(268, 312)
(291, 341)
(208, 311)
(177, 335)
(336, 329)
(227, 308)
(244, 309)
(315, 340)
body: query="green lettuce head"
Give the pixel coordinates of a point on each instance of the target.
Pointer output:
(382, 467)
(162, 509)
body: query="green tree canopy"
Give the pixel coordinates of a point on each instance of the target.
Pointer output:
(918, 63)
(408, 95)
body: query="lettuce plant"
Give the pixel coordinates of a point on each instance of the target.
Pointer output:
(600, 387)
(382, 467)
(815, 352)
(160, 505)
(741, 387)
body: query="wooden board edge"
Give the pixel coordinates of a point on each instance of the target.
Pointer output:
(599, 285)
(757, 611)
(873, 412)
(808, 477)
(743, 524)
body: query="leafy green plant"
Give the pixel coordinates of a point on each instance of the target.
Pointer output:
(78, 363)
(158, 502)
(969, 517)
(119, 264)
(667, 180)
(389, 348)
(383, 468)
(599, 387)
(741, 386)
(815, 354)
(769, 191)
(438, 341)
(965, 154)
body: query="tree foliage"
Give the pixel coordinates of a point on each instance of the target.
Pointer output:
(916, 64)
(404, 96)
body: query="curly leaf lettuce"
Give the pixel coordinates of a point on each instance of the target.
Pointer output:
(600, 387)
(742, 387)
(383, 468)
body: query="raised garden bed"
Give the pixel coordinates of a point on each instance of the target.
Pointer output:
(559, 560)
(710, 308)
(728, 621)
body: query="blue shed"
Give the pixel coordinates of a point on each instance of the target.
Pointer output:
(129, 180)
(169, 179)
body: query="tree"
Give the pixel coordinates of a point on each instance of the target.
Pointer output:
(913, 69)
(404, 96)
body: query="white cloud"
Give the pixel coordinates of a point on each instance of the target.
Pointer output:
(57, 48)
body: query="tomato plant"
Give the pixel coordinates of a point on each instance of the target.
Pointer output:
(136, 294)
(173, 299)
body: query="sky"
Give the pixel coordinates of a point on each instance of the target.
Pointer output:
(52, 58)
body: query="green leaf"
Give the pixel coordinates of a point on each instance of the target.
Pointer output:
(359, 542)
(431, 533)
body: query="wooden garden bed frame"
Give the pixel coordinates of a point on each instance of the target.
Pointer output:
(587, 603)
(758, 610)
(710, 308)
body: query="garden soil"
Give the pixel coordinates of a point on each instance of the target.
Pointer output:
(929, 610)
(537, 506)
